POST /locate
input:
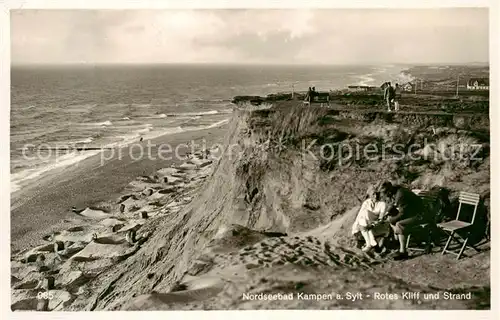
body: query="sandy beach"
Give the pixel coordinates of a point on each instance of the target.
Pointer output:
(45, 206)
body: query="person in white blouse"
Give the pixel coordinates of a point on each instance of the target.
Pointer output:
(369, 219)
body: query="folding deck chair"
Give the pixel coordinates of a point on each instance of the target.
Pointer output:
(453, 227)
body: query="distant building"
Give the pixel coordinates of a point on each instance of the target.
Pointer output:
(478, 84)
(361, 88)
(407, 86)
(358, 88)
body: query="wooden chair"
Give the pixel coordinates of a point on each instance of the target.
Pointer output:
(453, 227)
(427, 227)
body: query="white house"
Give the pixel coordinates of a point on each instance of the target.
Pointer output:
(407, 86)
(478, 84)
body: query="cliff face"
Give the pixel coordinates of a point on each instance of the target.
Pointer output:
(287, 171)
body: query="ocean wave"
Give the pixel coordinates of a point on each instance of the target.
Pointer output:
(147, 129)
(98, 124)
(84, 141)
(210, 126)
(217, 124)
(199, 113)
(132, 138)
(365, 79)
(208, 101)
(19, 179)
(126, 118)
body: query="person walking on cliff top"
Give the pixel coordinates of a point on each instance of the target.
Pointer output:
(389, 95)
(308, 96)
(397, 96)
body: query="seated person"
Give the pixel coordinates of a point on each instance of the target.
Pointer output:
(409, 212)
(369, 220)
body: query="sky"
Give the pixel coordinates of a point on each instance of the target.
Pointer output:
(268, 36)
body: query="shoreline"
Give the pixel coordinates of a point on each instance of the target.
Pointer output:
(91, 151)
(35, 213)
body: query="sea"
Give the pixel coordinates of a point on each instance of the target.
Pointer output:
(60, 115)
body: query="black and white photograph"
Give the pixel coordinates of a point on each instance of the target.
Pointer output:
(240, 158)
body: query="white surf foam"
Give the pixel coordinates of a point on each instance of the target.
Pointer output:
(105, 123)
(366, 79)
(84, 141)
(145, 130)
(20, 179)
(210, 126)
(201, 113)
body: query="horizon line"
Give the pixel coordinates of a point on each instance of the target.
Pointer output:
(243, 64)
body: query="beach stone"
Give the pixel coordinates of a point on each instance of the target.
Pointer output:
(171, 180)
(48, 247)
(73, 279)
(168, 190)
(40, 258)
(59, 299)
(84, 236)
(122, 208)
(146, 179)
(202, 163)
(181, 175)
(30, 284)
(186, 166)
(167, 171)
(73, 248)
(24, 272)
(24, 299)
(133, 225)
(117, 227)
(129, 203)
(109, 222)
(94, 213)
(32, 257)
(123, 198)
(144, 215)
(148, 192)
(14, 280)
